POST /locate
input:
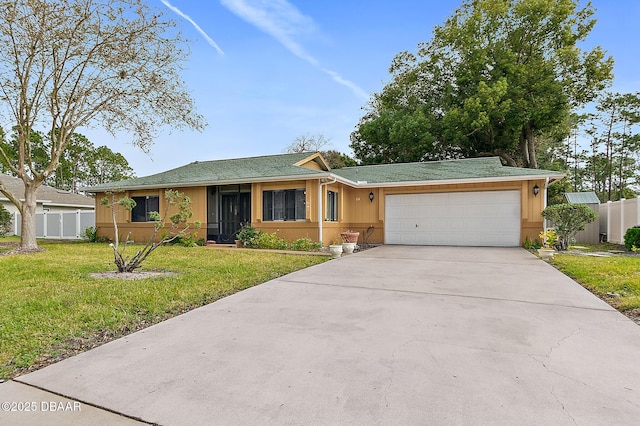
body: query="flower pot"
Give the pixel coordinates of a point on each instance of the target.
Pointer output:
(239, 243)
(350, 237)
(348, 248)
(546, 253)
(336, 251)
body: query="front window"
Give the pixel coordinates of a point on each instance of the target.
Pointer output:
(285, 204)
(144, 206)
(332, 206)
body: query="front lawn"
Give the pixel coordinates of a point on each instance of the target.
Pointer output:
(615, 279)
(51, 308)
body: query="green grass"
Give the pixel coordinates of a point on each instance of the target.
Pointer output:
(52, 308)
(602, 275)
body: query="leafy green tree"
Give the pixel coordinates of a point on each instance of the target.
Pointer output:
(106, 166)
(69, 64)
(74, 164)
(36, 151)
(495, 77)
(609, 167)
(81, 164)
(568, 220)
(338, 160)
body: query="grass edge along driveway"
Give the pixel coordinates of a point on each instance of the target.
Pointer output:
(615, 279)
(52, 308)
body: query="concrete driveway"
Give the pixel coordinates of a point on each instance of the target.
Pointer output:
(392, 335)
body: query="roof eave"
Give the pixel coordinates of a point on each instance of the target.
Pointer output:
(22, 199)
(341, 179)
(318, 175)
(78, 206)
(552, 178)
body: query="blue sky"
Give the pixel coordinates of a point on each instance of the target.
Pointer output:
(264, 72)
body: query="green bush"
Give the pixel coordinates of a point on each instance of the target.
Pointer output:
(568, 219)
(188, 240)
(632, 237)
(531, 245)
(305, 244)
(91, 235)
(5, 221)
(268, 241)
(247, 233)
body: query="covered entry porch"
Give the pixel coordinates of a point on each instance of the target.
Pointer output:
(228, 209)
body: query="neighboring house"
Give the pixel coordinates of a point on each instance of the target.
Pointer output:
(48, 199)
(591, 233)
(475, 202)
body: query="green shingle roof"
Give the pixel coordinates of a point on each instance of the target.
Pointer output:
(282, 167)
(471, 168)
(251, 169)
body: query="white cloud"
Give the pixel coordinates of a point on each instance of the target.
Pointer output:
(196, 26)
(284, 22)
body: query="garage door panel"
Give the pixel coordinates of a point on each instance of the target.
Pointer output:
(487, 218)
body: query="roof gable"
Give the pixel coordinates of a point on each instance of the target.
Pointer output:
(314, 162)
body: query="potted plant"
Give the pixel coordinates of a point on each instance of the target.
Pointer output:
(350, 236)
(348, 248)
(335, 249)
(549, 238)
(246, 234)
(349, 241)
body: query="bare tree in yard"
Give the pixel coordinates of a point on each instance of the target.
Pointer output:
(178, 227)
(308, 143)
(66, 64)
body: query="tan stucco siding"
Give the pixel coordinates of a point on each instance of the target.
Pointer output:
(142, 231)
(289, 230)
(355, 210)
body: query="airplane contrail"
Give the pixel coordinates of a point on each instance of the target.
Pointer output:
(196, 26)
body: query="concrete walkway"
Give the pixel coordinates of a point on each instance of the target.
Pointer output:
(392, 335)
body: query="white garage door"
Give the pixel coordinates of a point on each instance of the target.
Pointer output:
(485, 218)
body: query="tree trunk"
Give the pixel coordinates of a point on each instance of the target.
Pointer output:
(507, 158)
(531, 146)
(524, 151)
(609, 152)
(28, 226)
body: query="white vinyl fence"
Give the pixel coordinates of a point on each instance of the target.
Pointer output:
(64, 225)
(618, 216)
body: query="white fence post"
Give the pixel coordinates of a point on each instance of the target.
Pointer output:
(15, 223)
(44, 225)
(608, 220)
(622, 220)
(78, 224)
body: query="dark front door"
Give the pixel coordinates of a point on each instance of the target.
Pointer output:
(235, 210)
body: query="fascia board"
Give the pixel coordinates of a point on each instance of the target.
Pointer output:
(319, 175)
(79, 206)
(451, 181)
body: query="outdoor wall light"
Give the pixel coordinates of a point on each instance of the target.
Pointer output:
(371, 197)
(536, 190)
